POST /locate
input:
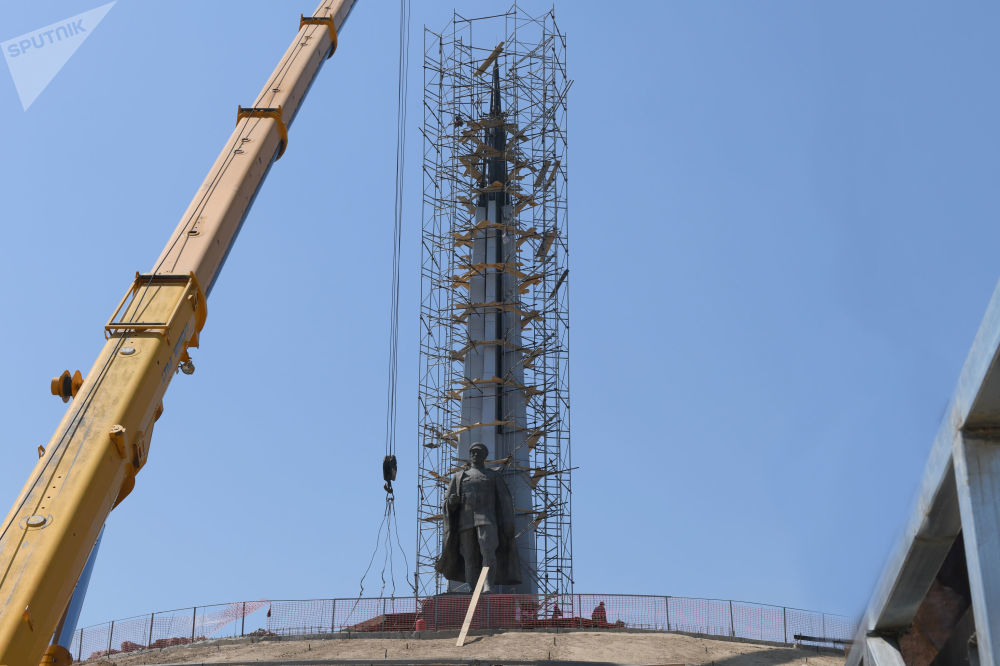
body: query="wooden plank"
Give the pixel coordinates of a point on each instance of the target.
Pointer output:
(880, 652)
(472, 606)
(541, 173)
(489, 60)
(977, 474)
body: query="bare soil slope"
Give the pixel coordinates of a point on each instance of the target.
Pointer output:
(621, 647)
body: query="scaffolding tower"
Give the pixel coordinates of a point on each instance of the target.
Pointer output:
(494, 327)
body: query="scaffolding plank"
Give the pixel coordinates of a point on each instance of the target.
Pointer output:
(489, 60)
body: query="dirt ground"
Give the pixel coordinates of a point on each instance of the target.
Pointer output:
(622, 647)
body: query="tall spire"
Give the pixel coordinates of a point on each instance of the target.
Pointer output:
(495, 101)
(494, 308)
(496, 138)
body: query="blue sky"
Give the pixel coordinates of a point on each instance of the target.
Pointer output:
(783, 222)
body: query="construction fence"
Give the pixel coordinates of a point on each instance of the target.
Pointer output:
(714, 617)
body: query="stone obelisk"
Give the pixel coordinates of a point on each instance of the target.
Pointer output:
(494, 396)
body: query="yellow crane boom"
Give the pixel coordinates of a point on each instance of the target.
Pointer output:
(90, 464)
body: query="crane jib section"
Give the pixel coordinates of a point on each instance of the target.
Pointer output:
(90, 463)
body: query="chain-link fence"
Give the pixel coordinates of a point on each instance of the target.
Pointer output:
(713, 617)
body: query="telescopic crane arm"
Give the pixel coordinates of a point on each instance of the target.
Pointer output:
(89, 465)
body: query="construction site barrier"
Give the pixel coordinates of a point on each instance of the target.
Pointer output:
(604, 612)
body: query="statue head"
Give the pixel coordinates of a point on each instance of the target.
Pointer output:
(478, 453)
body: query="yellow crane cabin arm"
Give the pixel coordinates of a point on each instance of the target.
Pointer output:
(90, 463)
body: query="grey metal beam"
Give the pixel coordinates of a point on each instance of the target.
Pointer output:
(880, 652)
(936, 519)
(932, 532)
(977, 471)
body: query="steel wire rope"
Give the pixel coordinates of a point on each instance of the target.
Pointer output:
(391, 389)
(401, 116)
(77, 417)
(385, 517)
(389, 558)
(401, 91)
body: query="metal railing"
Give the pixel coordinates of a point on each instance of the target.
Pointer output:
(713, 617)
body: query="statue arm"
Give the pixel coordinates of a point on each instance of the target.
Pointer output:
(451, 498)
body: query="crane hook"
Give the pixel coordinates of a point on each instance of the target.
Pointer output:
(389, 472)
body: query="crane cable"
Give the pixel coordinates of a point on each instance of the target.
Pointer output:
(389, 464)
(389, 527)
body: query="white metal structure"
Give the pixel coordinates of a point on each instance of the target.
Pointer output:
(952, 533)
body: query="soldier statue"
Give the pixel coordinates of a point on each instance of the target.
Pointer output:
(479, 527)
